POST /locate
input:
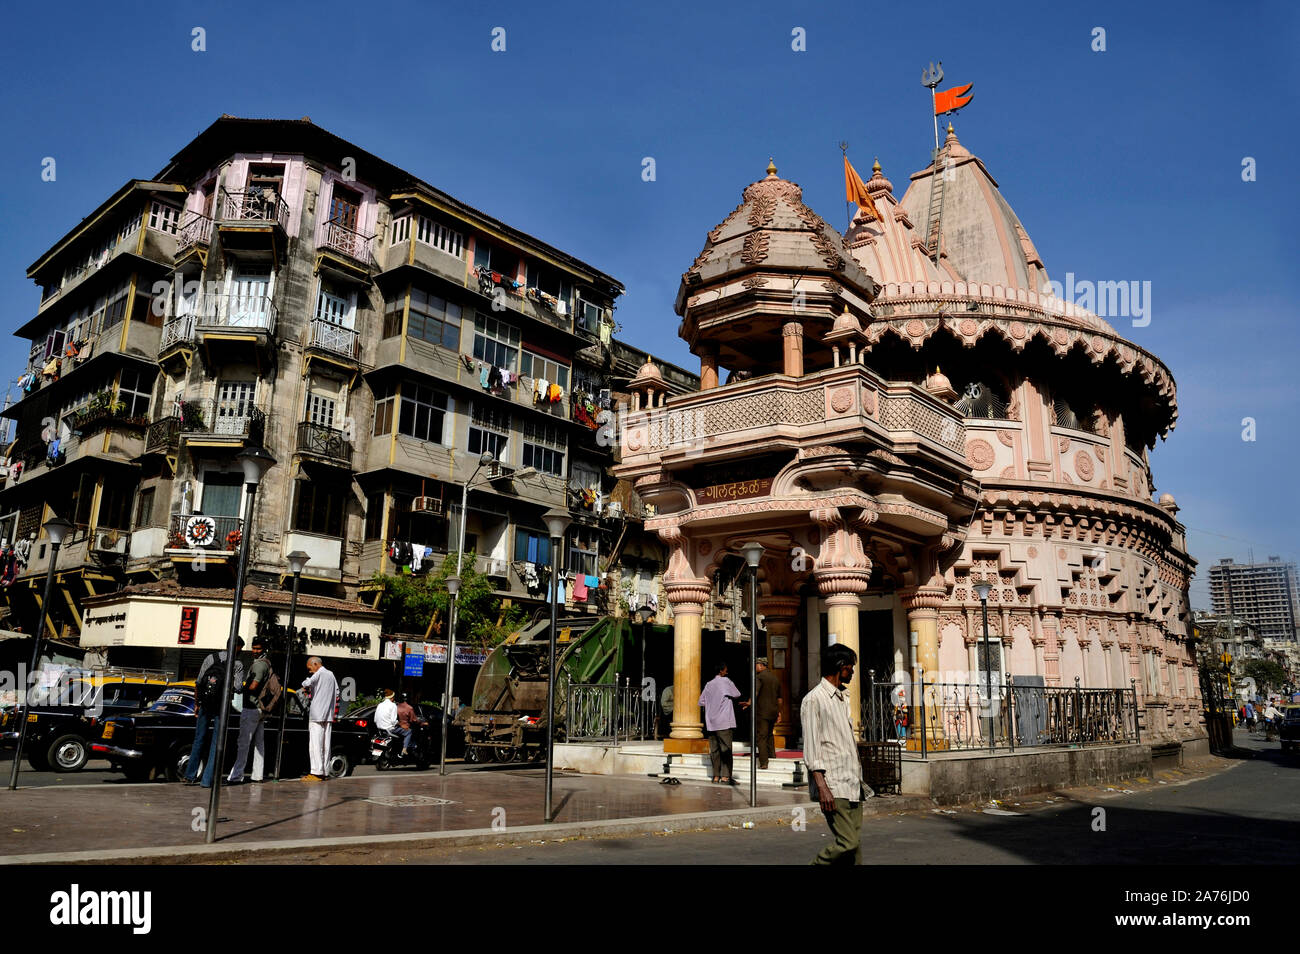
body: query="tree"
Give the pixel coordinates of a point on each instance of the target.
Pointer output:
(410, 602)
(1267, 674)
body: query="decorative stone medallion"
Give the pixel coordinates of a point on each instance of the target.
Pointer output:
(979, 454)
(968, 327)
(635, 440)
(868, 401)
(1083, 465)
(841, 400)
(1017, 330)
(915, 328)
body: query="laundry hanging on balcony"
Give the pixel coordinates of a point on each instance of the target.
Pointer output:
(580, 589)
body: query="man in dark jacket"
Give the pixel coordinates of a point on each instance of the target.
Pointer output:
(204, 749)
(767, 703)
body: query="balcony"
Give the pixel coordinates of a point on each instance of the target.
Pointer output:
(194, 236)
(256, 221)
(222, 423)
(163, 436)
(327, 444)
(346, 253)
(189, 533)
(253, 313)
(334, 340)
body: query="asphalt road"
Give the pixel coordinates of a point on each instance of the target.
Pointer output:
(1248, 813)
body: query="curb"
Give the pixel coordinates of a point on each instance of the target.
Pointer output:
(206, 854)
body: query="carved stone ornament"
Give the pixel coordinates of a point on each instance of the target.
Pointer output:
(841, 400)
(755, 249)
(979, 454)
(754, 282)
(1083, 465)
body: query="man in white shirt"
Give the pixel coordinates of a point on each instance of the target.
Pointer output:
(831, 754)
(320, 716)
(386, 713)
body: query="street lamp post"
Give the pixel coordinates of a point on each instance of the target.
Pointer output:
(297, 563)
(753, 556)
(56, 528)
(557, 522)
(982, 590)
(453, 589)
(255, 462)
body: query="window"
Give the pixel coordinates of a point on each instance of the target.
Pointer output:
(588, 316)
(135, 390)
(583, 544)
(318, 508)
(535, 366)
(489, 430)
(548, 280)
(164, 217)
(83, 499)
(585, 476)
(115, 505)
(434, 319)
(334, 304)
(54, 343)
(496, 260)
(264, 175)
(401, 230)
(543, 448)
(320, 410)
(115, 309)
(345, 204)
(440, 237)
(532, 546)
(422, 413)
(385, 398)
(495, 342)
(144, 508)
(374, 517)
(393, 309)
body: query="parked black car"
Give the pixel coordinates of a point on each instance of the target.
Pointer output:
(155, 744)
(60, 731)
(363, 719)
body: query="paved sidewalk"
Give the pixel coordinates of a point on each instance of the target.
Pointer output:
(122, 820)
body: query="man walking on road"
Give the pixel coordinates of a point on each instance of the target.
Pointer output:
(767, 707)
(831, 754)
(207, 693)
(720, 720)
(252, 718)
(324, 702)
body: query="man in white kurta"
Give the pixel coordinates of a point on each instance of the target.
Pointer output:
(324, 689)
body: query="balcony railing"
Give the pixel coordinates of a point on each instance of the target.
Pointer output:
(256, 312)
(163, 434)
(195, 232)
(257, 205)
(177, 331)
(355, 245)
(333, 338)
(224, 418)
(195, 531)
(324, 441)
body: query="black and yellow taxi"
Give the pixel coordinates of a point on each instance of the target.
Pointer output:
(64, 718)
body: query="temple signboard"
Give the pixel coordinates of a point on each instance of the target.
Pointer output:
(736, 490)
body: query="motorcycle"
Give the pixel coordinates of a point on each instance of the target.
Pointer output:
(386, 750)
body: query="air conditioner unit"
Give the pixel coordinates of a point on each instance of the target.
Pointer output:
(427, 505)
(111, 542)
(498, 567)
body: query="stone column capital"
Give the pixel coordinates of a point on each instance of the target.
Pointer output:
(792, 329)
(842, 581)
(688, 596)
(779, 610)
(923, 598)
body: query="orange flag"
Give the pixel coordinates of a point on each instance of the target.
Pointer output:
(855, 190)
(952, 99)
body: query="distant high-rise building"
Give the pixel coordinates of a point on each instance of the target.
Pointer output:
(1263, 593)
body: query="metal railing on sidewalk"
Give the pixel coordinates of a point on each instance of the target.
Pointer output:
(608, 713)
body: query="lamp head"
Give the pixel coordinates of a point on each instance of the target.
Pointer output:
(645, 613)
(753, 554)
(485, 458)
(453, 585)
(57, 528)
(982, 590)
(256, 462)
(557, 521)
(298, 561)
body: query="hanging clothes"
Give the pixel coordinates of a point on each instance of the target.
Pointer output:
(417, 554)
(494, 378)
(531, 579)
(540, 389)
(483, 371)
(468, 362)
(532, 550)
(580, 589)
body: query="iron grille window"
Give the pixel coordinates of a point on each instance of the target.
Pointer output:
(489, 430)
(544, 448)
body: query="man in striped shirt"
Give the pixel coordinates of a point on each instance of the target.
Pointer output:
(831, 754)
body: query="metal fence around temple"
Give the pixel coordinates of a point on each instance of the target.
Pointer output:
(608, 713)
(1004, 716)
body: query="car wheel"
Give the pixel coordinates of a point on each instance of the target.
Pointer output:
(67, 753)
(472, 755)
(339, 765)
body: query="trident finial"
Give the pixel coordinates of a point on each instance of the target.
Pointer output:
(933, 76)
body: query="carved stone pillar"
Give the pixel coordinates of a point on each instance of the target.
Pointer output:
(779, 614)
(792, 348)
(708, 366)
(842, 572)
(922, 605)
(687, 598)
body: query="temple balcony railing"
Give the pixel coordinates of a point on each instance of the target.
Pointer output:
(834, 404)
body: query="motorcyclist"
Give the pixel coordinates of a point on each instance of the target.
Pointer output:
(407, 720)
(386, 715)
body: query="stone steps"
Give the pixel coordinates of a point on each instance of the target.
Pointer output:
(698, 768)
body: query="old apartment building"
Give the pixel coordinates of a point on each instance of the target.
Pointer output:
(276, 286)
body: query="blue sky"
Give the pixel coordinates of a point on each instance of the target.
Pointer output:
(1123, 165)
